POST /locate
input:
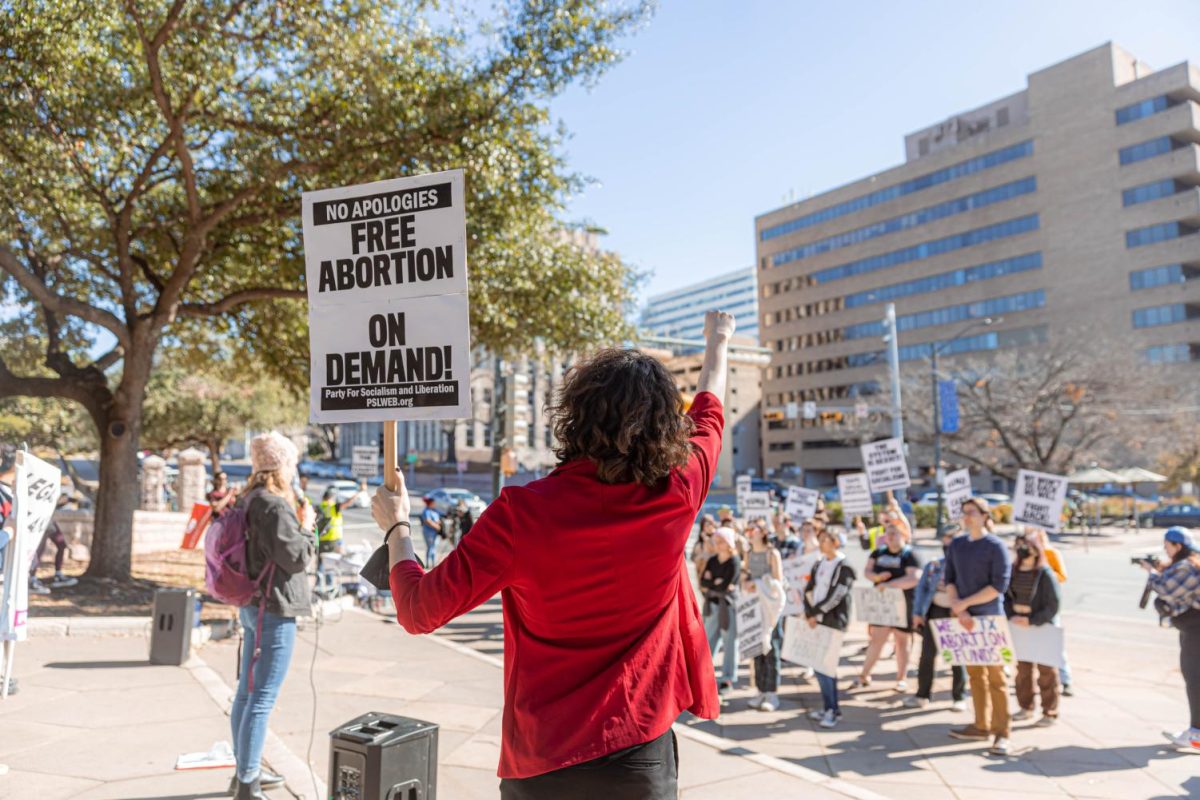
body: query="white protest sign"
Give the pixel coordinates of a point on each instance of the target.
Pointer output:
(885, 465)
(955, 490)
(809, 409)
(802, 503)
(743, 484)
(1038, 644)
(389, 325)
(755, 502)
(885, 607)
(796, 571)
(364, 461)
(819, 647)
(751, 635)
(987, 643)
(35, 496)
(855, 494)
(1039, 499)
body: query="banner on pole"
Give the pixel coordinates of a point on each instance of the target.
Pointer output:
(986, 643)
(883, 607)
(948, 403)
(819, 647)
(1039, 499)
(855, 493)
(389, 323)
(35, 496)
(885, 465)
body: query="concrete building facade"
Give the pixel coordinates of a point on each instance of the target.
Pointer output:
(1068, 209)
(679, 314)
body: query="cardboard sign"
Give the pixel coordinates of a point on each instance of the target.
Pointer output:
(389, 324)
(885, 607)
(1039, 499)
(1038, 644)
(796, 572)
(987, 643)
(364, 461)
(755, 502)
(855, 494)
(751, 635)
(955, 490)
(802, 503)
(819, 647)
(35, 496)
(885, 465)
(197, 524)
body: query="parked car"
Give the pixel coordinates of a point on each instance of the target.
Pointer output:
(446, 499)
(774, 487)
(928, 499)
(1184, 514)
(996, 499)
(346, 490)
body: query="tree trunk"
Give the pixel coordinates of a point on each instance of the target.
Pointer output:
(117, 496)
(214, 455)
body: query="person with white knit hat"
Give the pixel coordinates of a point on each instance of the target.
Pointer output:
(279, 540)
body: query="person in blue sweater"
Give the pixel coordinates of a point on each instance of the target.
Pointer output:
(978, 569)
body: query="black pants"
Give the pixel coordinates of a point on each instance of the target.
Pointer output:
(928, 663)
(647, 771)
(1189, 665)
(767, 666)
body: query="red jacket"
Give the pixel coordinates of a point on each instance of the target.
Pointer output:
(603, 642)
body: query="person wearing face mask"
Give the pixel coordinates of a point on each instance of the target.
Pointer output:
(1032, 600)
(930, 601)
(893, 566)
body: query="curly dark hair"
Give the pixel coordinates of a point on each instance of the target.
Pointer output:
(621, 410)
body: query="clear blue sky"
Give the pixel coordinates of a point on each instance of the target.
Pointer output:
(724, 106)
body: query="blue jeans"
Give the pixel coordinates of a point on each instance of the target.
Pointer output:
(431, 537)
(829, 692)
(251, 710)
(726, 638)
(1064, 672)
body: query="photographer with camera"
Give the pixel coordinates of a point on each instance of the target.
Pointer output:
(1177, 585)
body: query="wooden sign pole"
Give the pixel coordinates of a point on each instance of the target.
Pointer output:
(391, 456)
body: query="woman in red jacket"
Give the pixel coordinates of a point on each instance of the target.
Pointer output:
(593, 678)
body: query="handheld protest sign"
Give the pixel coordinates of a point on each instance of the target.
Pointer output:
(885, 465)
(855, 494)
(1039, 499)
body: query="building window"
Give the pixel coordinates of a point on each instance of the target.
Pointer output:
(1149, 191)
(1162, 276)
(470, 438)
(953, 172)
(1172, 353)
(1144, 150)
(776, 447)
(1142, 109)
(946, 280)
(1155, 316)
(1025, 301)
(1152, 234)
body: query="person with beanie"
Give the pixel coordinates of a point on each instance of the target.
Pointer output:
(278, 540)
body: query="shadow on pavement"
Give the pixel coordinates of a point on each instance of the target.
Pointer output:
(1061, 762)
(1191, 788)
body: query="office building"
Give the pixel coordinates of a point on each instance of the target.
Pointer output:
(679, 314)
(1069, 210)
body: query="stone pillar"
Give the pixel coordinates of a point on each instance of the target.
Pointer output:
(154, 480)
(192, 480)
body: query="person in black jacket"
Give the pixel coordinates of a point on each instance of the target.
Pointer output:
(279, 541)
(1032, 600)
(827, 602)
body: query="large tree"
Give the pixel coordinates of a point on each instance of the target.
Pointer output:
(153, 157)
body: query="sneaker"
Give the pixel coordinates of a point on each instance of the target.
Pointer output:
(808, 674)
(1067, 691)
(61, 581)
(37, 587)
(1022, 715)
(830, 719)
(1046, 722)
(860, 683)
(725, 687)
(756, 701)
(1187, 740)
(958, 705)
(1000, 747)
(817, 714)
(770, 702)
(266, 779)
(916, 702)
(969, 732)
(902, 686)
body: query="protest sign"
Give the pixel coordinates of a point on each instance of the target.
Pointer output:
(884, 607)
(1039, 499)
(35, 496)
(1038, 644)
(956, 489)
(751, 635)
(819, 647)
(796, 571)
(755, 502)
(987, 642)
(802, 503)
(364, 461)
(885, 465)
(743, 484)
(389, 325)
(196, 525)
(855, 495)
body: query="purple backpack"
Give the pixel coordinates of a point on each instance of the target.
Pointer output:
(227, 566)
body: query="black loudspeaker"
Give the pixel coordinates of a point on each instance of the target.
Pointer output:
(171, 632)
(383, 757)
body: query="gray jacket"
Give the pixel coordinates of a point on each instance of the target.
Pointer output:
(274, 534)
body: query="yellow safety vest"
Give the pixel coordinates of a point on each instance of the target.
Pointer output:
(333, 531)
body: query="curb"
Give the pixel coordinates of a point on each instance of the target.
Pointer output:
(105, 626)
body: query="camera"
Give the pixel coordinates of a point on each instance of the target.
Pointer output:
(1149, 558)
